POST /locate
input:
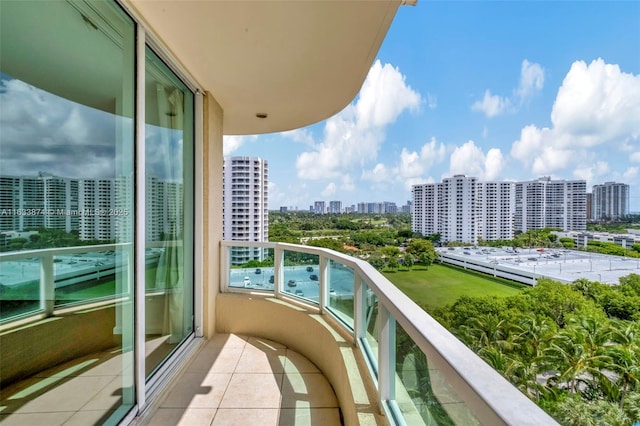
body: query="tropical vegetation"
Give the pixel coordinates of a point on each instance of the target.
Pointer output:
(573, 349)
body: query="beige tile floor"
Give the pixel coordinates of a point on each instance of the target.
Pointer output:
(238, 381)
(233, 380)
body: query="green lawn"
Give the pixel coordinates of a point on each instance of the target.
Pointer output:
(442, 285)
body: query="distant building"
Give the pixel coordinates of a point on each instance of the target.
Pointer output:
(319, 207)
(462, 209)
(335, 207)
(245, 205)
(610, 201)
(495, 210)
(447, 208)
(547, 203)
(283, 209)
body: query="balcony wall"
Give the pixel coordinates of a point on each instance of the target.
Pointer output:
(316, 337)
(31, 347)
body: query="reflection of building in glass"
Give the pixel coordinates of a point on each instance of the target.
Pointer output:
(245, 205)
(98, 209)
(164, 209)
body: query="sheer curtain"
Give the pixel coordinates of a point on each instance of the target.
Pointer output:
(170, 271)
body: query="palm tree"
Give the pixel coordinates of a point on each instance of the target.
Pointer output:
(573, 357)
(531, 334)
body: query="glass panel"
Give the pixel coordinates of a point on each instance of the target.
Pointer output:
(422, 392)
(66, 166)
(169, 212)
(341, 291)
(88, 276)
(254, 274)
(371, 321)
(301, 275)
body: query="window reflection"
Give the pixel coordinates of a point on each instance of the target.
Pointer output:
(169, 211)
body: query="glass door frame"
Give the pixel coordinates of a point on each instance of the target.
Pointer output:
(146, 391)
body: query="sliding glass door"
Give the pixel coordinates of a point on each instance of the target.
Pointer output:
(66, 203)
(70, 232)
(169, 211)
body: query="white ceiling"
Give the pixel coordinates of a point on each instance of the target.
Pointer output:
(297, 61)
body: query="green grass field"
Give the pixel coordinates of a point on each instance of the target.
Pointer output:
(442, 285)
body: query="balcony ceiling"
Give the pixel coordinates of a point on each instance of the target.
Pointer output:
(297, 61)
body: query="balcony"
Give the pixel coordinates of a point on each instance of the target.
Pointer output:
(315, 320)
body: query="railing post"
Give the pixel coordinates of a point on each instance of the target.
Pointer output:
(47, 284)
(323, 278)
(359, 324)
(225, 267)
(278, 269)
(386, 356)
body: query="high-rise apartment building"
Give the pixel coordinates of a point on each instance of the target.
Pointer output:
(547, 203)
(245, 205)
(462, 209)
(495, 210)
(319, 207)
(335, 207)
(447, 208)
(610, 201)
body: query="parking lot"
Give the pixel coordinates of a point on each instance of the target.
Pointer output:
(559, 264)
(299, 280)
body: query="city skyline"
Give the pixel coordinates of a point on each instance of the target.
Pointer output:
(479, 91)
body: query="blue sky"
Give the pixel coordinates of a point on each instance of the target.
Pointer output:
(498, 90)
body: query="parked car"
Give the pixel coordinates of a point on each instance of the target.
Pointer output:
(258, 271)
(313, 277)
(271, 279)
(246, 282)
(292, 283)
(309, 269)
(299, 293)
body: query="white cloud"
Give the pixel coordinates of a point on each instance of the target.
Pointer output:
(635, 157)
(299, 135)
(347, 183)
(493, 164)
(329, 190)
(491, 105)
(597, 104)
(232, 143)
(353, 137)
(379, 173)
(531, 79)
(592, 172)
(411, 167)
(469, 159)
(631, 173)
(45, 132)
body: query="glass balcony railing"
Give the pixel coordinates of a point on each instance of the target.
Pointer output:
(41, 281)
(423, 374)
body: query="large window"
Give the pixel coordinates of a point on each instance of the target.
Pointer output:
(169, 211)
(68, 239)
